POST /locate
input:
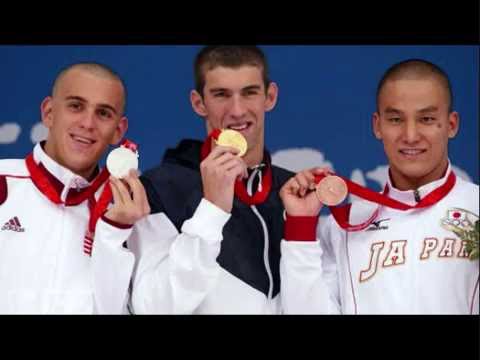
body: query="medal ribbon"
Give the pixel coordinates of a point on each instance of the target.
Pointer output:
(43, 181)
(341, 213)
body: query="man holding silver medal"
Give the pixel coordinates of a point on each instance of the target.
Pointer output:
(212, 242)
(62, 240)
(412, 249)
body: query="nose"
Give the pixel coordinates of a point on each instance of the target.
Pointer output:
(238, 108)
(88, 120)
(411, 131)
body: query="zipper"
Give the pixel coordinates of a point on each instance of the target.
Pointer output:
(416, 194)
(265, 233)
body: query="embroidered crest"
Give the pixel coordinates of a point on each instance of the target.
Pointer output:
(465, 225)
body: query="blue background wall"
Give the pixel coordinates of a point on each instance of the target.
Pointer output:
(327, 96)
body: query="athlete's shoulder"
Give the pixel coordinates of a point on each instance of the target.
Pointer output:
(168, 176)
(281, 175)
(10, 168)
(13, 168)
(465, 194)
(466, 186)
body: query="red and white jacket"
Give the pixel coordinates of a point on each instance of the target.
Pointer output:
(43, 266)
(406, 262)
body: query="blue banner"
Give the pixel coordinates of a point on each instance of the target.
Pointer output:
(323, 116)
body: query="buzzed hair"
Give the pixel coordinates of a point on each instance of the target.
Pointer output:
(233, 57)
(416, 69)
(97, 69)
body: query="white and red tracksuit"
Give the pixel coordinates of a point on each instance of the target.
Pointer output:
(406, 262)
(43, 267)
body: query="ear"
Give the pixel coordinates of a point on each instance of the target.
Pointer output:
(376, 128)
(453, 124)
(197, 103)
(272, 96)
(46, 108)
(120, 130)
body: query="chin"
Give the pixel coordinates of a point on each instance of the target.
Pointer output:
(416, 171)
(81, 165)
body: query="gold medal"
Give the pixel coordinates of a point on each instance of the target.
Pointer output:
(233, 139)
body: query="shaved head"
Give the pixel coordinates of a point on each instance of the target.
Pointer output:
(416, 69)
(96, 69)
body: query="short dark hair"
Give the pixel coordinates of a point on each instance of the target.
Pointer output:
(234, 57)
(416, 69)
(94, 68)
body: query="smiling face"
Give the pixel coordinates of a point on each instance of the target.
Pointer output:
(414, 123)
(84, 116)
(236, 98)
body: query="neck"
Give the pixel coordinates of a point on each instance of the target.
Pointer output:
(404, 183)
(88, 175)
(254, 155)
(253, 158)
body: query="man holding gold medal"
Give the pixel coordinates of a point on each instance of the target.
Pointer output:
(412, 249)
(61, 239)
(215, 201)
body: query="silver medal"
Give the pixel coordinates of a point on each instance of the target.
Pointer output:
(121, 160)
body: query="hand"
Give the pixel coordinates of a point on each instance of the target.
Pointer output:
(130, 202)
(298, 193)
(219, 171)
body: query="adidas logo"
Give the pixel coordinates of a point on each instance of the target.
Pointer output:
(14, 225)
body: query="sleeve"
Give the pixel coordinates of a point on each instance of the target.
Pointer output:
(176, 271)
(308, 270)
(112, 267)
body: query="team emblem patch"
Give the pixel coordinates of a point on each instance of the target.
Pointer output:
(465, 225)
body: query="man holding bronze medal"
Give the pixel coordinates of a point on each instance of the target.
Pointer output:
(412, 249)
(215, 202)
(62, 248)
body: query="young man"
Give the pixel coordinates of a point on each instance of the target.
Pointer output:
(414, 261)
(47, 199)
(217, 220)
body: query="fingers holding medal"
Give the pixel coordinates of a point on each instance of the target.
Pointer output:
(130, 199)
(298, 194)
(222, 166)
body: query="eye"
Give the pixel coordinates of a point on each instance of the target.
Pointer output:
(251, 92)
(394, 120)
(104, 113)
(219, 94)
(427, 119)
(75, 106)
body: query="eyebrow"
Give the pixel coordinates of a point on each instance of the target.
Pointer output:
(428, 109)
(79, 98)
(218, 90)
(252, 87)
(246, 88)
(390, 110)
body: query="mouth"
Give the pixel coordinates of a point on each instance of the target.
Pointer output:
(82, 140)
(411, 153)
(240, 127)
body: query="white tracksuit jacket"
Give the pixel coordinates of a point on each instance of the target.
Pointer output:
(43, 268)
(407, 262)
